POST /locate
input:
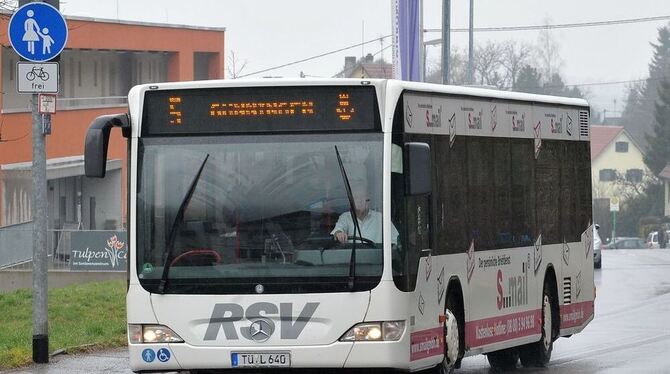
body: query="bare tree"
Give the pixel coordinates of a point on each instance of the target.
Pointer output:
(514, 57)
(234, 67)
(458, 73)
(628, 188)
(487, 61)
(548, 54)
(457, 68)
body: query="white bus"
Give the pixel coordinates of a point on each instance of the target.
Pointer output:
(472, 233)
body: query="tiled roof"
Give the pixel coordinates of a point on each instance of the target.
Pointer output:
(601, 136)
(378, 70)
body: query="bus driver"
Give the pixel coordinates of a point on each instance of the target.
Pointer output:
(369, 221)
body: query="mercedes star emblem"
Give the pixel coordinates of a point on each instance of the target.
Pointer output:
(260, 330)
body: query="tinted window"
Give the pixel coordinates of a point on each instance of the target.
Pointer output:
(450, 195)
(522, 191)
(548, 187)
(502, 194)
(481, 194)
(584, 197)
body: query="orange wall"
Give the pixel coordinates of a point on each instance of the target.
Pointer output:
(117, 36)
(68, 132)
(69, 127)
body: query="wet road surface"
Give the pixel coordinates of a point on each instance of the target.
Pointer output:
(630, 333)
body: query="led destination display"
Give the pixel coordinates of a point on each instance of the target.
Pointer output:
(260, 109)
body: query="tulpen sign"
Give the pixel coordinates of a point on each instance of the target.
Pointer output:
(99, 251)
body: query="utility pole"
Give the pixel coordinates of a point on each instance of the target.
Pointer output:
(471, 70)
(446, 39)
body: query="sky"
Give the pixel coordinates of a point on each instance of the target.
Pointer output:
(269, 33)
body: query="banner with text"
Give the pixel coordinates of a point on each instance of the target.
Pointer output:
(99, 250)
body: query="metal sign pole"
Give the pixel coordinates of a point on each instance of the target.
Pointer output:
(37, 32)
(39, 209)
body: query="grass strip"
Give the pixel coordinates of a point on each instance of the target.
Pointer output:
(81, 317)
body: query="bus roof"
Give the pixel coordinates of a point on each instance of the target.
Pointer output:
(380, 83)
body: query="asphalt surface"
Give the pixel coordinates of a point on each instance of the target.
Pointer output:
(630, 333)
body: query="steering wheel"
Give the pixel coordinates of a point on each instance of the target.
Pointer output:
(198, 257)
(365, 241)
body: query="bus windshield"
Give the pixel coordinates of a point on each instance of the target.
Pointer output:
(262, 213)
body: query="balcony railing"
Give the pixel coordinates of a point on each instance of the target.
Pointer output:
(74, 103)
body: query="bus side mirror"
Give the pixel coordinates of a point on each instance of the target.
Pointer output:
(97, 142)
(418, 178)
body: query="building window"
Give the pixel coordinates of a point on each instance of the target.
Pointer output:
(95, 73)
(634, 175)
(621, 147)
(607, 175)
(79, 73)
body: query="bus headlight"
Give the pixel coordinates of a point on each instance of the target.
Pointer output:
(393, 330)
(149, 334)
(375, 331)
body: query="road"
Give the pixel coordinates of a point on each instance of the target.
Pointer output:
(630, 332)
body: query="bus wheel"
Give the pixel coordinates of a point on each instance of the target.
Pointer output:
(457, 315)
(453, 337)
(504, 360)
(538, 354)
(452, 342)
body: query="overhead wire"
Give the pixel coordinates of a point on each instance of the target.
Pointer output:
(479, 29)
(558, 26)
(315, 57)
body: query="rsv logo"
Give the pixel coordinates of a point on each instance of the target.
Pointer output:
(227, 317)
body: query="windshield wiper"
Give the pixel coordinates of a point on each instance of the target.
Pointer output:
(352, 207)
(162, 286)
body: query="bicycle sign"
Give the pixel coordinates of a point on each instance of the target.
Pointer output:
(37, 77)
(36, 72)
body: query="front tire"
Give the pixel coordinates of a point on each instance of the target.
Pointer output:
(453, 336)
(538, 354)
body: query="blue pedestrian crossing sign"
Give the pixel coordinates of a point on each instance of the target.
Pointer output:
(37, 32)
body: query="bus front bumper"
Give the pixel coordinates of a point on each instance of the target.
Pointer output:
(182, 356)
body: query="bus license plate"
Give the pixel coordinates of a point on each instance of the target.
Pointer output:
(258, 359)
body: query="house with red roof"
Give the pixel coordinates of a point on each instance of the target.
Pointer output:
(366, 67)
(617, 163)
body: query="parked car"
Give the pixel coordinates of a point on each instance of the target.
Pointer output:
(597, 246)
(652, 239)
(626, 243)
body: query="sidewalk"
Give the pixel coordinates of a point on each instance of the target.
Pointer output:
(113, 361)
(11, 280)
